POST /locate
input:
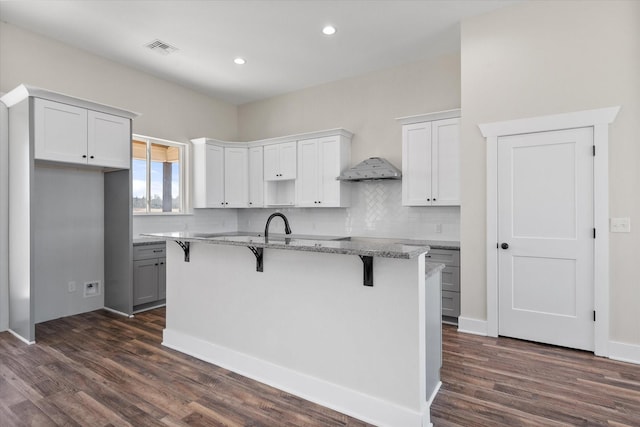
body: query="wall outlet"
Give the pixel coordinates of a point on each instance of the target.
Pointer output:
(621, 225)
(72, 286)
(91, 289)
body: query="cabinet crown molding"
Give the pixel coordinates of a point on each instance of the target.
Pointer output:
(428, 117)
(23, 91)
(276, 140)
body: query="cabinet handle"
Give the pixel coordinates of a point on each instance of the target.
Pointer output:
(434, 199)
(504, 246)
(91, 157)
(428, 200)
(84, 156)
(156, 263)
(162, 263)
(250, 203)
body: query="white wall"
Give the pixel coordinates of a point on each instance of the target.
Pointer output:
(540, 58)
(4, 217)
(169, 111)
(368, 106)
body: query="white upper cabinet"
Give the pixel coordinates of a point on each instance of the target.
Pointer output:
(256, 177)
(220, 175)
(236, 177)
(109, 140)
(280, 161)
(320, 162)
(70, 134)
(431, 162)
(208, 175)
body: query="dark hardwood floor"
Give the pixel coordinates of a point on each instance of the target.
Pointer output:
(99, 369)
(507, 382)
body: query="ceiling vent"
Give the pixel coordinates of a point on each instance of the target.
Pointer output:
(161, 47)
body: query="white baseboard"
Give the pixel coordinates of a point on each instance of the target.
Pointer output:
(118, 312)
(624, 352)
(347, 401)
(20, 337)
(472, 326)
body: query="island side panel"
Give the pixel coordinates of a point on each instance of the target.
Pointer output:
(308, 312)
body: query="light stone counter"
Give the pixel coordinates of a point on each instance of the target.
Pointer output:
(362, 246)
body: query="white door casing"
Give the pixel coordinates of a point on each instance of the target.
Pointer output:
(598, 120)
(545, 230)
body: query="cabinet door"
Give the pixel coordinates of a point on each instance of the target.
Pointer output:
(288, 160)
(162, 278)
(214, 176)
(329, 169)
(60, 132)
(108, 140)
(145, 281)
(271, 162)
(416, 164)
(256, 177)
(236, 177)
(445, 153)
(308, 177)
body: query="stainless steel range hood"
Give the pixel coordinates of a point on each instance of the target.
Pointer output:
(374, 168)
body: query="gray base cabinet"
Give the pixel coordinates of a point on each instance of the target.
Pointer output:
(450, 281)
(149, 275)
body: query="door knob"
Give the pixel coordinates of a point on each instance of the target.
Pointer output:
(504, 246)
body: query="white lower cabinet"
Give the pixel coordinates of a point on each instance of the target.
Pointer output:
(450, 281)
(71, 134)
(149, 275)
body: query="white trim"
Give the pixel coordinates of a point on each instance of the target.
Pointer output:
(276, 140)
(599, 119)
(624, 352)
(22, 92)
(578, 119)
(468, 325)
(24, 340)
(347, 401)
(428, 117)
(130, 316)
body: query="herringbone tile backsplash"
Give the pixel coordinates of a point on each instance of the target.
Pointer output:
(376, 210)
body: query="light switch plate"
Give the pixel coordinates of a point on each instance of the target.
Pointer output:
(621, 225)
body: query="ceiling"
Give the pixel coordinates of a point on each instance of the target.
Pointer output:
(281, 40)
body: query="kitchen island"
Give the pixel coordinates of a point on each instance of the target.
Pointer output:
(350, 324)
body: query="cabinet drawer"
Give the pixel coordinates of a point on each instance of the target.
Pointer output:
(450, 304)
(451, 279)
(149, 251)
(448, 257)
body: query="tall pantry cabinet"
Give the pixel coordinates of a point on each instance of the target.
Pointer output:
(70, 212)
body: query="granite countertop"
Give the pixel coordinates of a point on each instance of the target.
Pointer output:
(364, 246)
(141, 241)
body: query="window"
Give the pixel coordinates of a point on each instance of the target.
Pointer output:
(158, 170)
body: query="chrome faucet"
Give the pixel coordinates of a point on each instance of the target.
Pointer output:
(287, 229)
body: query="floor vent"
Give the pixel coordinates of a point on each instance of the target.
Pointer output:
(161, 47)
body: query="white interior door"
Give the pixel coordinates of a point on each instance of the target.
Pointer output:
(546, 237)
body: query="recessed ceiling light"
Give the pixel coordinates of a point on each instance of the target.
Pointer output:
(240, 61)
(329, 30)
